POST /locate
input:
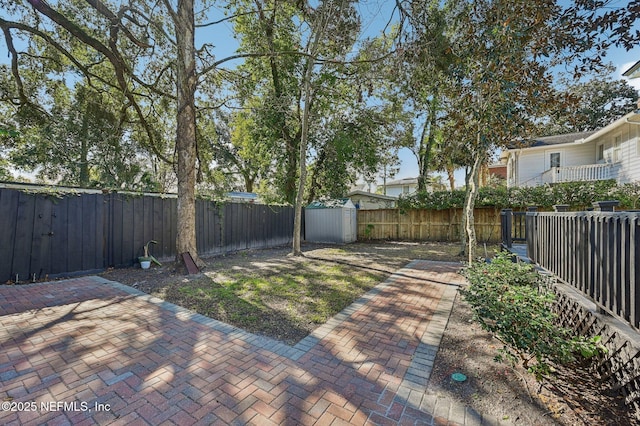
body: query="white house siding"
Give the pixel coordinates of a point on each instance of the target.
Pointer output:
(526, 166)
(626, 167)
(393, 191)
(530, 164)
(396, 191)
(533, 162)
(630, 153)
(579, 155)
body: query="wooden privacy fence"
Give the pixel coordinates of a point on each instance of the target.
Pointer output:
(426, 225)
(596, 252)
(55, 235)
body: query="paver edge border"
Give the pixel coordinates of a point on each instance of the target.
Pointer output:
(295, 352)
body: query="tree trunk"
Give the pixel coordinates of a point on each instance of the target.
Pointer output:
(314, 186)
(84, 152)
(186, 130)
(425, 149)
(297, 221)
(451, 176)
(291, 141)
(469, 204)
(422, 159)
(317, 33)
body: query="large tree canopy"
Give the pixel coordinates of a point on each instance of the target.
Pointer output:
(506, 58)
(292, 97)
(125, 92)
(593, 104)
(145, 51)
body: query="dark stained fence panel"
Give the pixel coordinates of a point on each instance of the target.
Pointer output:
(73, 231)
(168, 226)
(24, 236)
(40, 265)
(52, 236)
(128, 228)
(157, 226)
(596, 252)
(137, 222)
(60, 237)
(92, 232)
(8, 220)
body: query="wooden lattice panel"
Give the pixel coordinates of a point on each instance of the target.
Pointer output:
(619, 368)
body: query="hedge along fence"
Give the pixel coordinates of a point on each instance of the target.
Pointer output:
(578, 195)
(49, 234)
(426, 224)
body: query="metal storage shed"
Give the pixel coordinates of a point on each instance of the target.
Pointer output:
(331, 221)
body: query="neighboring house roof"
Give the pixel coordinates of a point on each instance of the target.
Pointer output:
(580, 137)
(373, 195)
(632, 117)
(405, 181)
(633, 72)
(243, 196)
(332, 204)
(552, 140)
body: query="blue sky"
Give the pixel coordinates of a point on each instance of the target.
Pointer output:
(620, 58)
(375, 15)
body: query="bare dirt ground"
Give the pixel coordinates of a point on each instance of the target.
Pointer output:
(574, 396)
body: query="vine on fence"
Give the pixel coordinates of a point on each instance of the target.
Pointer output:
(579, 195)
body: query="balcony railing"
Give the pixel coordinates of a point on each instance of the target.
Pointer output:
(589, 172)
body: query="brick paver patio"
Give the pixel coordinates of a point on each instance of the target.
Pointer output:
(91, 351)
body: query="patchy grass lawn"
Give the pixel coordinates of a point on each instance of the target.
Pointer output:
(281, 299)
(269, 292)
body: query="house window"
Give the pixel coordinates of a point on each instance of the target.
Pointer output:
(405, 189)
(554, 159)
(617, 151)
(600, 152)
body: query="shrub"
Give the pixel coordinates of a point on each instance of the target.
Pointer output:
(579, 195)
(511, 301)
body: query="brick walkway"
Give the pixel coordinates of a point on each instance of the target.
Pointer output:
(90, 351)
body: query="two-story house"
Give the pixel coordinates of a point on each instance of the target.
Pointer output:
(398, 187)
(612, 152)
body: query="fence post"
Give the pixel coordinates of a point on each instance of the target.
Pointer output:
(605, 206)
(506, 224)
(560, 208)
(531, 234)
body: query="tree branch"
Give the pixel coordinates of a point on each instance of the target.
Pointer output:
(116, 22)
(228, 18)
(294, 53)
(14, 61)
(119, 66)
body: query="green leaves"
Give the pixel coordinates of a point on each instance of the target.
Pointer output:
(590, 105)
(79, 141)
(579, 196)
(512, 301)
